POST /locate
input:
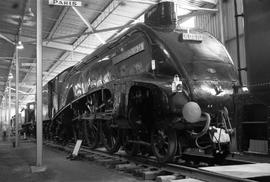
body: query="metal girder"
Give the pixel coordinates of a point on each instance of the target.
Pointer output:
(210, 1)
(23, 85)
(191, 8)
(141, 1)
(106, 12)
(13, 94)
(62, 58)
(18, 90)
(7, 39)
(88, 24)
(28, 64)
(31, 58)
(67, 47)
(20, 85)
(60, 46)
(197, 12)
(25, 70)
(81, 34)
(58, 22)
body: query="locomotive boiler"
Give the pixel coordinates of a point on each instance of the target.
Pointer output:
(155, 90)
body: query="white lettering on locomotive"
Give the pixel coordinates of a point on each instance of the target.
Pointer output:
(130, 52)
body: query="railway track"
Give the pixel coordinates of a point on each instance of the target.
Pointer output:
(149, 169)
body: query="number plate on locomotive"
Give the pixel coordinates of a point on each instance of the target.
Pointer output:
(191, 37)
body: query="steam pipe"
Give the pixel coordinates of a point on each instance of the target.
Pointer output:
(206, 127)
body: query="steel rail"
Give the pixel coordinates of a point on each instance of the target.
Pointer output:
(179, 169)
(191, 172)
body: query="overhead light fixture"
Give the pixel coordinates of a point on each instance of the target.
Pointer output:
(29, 15)
(245, 89)
(19, 45)
(10, 76)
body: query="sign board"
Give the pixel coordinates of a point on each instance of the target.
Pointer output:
(191, 36)
(77, 148)
(65, 3)
(130, 52)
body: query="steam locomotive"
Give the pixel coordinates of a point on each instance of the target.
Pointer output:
(155, 90)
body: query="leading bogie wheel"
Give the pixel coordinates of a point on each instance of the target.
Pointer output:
(164, 144)
(111, 138)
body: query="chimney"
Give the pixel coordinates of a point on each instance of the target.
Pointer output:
(161, 15)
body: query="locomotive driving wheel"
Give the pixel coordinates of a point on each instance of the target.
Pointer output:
(130, 148)
(164, 143)
(111, 139)
(91, 133)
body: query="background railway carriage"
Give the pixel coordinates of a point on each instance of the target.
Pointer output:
(155, 90)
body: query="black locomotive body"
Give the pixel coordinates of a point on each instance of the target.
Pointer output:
(152, 90)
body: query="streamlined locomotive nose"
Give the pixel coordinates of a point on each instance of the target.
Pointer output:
(212, 92)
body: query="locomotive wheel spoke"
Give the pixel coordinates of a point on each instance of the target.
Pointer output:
(91, 133)
(111, 139)
(164, 144)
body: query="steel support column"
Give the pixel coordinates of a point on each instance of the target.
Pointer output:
(221, 21)
(9, 99)
(17, 100)
(237, 42)
(1, 119)
(39, 84)
(6, 121)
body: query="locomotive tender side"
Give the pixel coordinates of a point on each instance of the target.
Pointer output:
(132, 91)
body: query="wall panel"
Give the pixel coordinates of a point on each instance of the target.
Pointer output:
(211, 23)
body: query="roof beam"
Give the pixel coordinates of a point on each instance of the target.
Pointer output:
(68, 47)
(102, 16)
(197, 12)
(88, 24)
(7, 39)
(58, 22)
(85, 33)
(141, 1)
(22, 85)
(211, 1)
(18, 90)
(60, 46)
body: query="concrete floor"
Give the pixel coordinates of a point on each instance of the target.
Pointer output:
(15, 166)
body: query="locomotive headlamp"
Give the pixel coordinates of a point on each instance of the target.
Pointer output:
(192, 112)
(177, 85)
(153, 64)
